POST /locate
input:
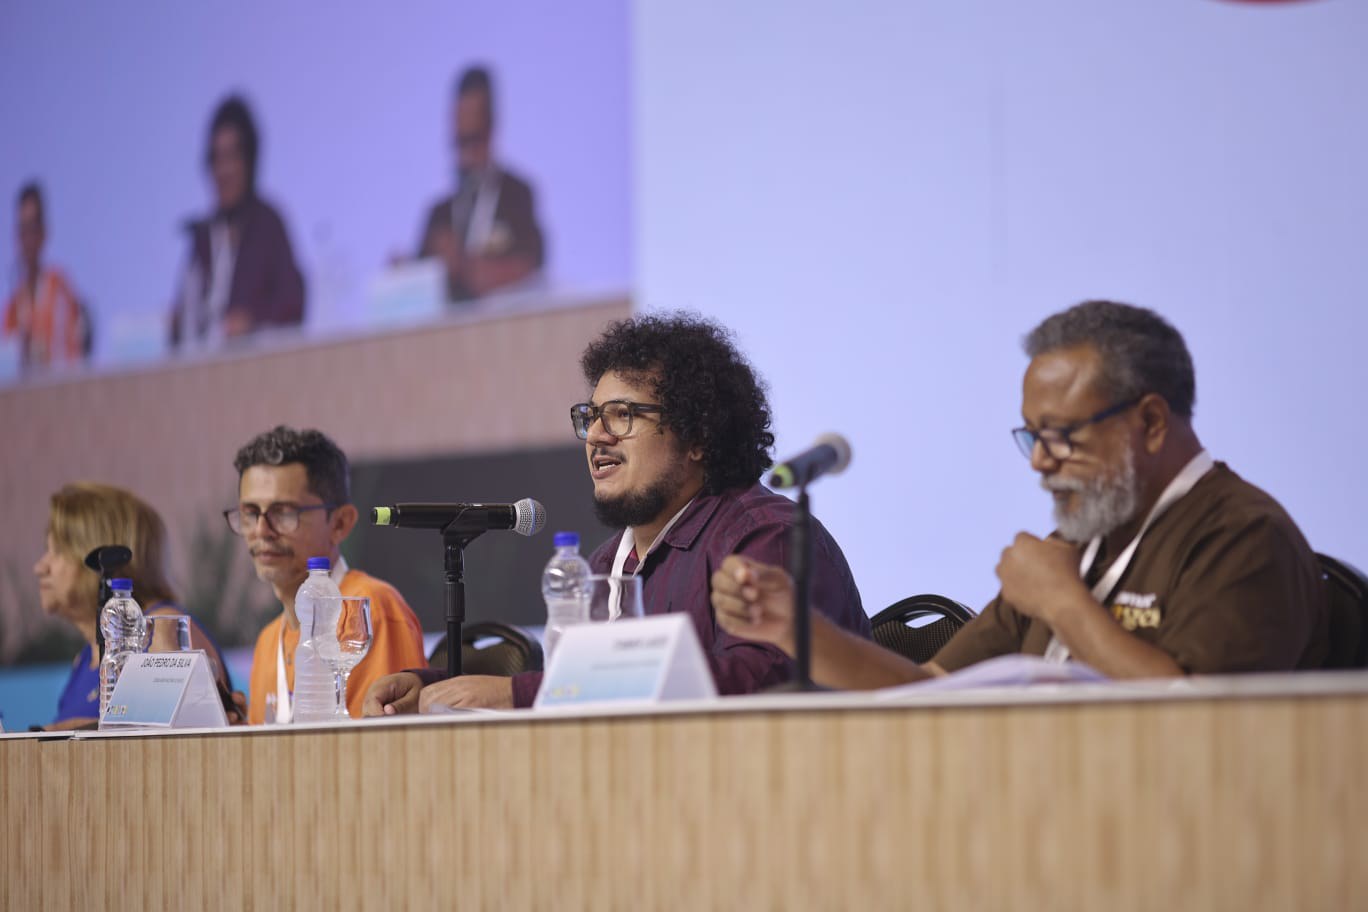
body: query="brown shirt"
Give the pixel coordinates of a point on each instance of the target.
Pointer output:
(515, 231)
(1222, 582)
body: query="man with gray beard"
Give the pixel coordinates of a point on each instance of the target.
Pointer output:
(1163, 562)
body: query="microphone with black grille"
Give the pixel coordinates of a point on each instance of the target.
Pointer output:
(526, 517)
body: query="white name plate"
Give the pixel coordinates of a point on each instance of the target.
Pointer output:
(165, 690)
(635, 661)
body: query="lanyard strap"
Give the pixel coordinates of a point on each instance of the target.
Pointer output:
(223, 260)
(620, 561)
(480, 228)
(1182, 483)
(283, 708)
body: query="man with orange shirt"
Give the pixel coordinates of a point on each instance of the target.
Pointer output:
(43, 311)
(294, 503)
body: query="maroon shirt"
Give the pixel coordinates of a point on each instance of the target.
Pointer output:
(266, 284)
(677, 577)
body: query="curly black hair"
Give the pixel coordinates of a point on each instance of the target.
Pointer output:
(711, 396)
(324, 462)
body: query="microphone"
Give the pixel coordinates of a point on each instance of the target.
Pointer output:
(108, 557)
(104, 560)
(829, 455)
(526, 517)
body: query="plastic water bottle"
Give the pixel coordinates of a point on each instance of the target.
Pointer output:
(125, 634)
(565, 589)
(315, 684)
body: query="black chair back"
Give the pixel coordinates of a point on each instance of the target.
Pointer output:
(1347, 589)
(892, 631)
(512, 651)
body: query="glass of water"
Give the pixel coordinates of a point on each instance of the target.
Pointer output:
(342, 636)
(614, 598)
(168, 633)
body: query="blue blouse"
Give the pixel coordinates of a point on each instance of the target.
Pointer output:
(81, 697)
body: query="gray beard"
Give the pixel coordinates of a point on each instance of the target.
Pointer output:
(1106, 502)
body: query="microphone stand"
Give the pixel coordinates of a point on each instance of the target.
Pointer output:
(800, 568)
(454, 567)
(104, 560)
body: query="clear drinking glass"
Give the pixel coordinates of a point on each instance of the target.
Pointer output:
(168, 633)
(614, 598)
(342, 636)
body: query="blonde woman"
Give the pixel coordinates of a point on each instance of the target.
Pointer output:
(84, 516)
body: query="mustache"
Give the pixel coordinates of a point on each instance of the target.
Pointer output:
(601, 451)
(1054, 485)
(283, 552)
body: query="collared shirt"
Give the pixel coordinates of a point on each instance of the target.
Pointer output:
(676, 577)
(498, 220)
(48, 321)
(263, 281)
(1224, 582)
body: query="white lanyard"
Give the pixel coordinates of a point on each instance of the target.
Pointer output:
(223, 258)
(480, 228)
(40, 346)
(479, 215)
(26, 307)
(620, 561)
(283, 708)
(1179, 486)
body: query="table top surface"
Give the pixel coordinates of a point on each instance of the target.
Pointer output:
(1281, 686)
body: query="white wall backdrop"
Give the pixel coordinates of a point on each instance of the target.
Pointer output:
(882, 197)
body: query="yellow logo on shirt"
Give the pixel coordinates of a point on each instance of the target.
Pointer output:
(1133, 611)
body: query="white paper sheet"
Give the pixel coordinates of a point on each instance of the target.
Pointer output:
(1004, 671)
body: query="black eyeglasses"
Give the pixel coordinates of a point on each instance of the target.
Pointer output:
(283, 518)
(1056, 440)
(616, 415)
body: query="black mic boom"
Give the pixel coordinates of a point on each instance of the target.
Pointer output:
(829, 455)
(526, 517)
(108, 557)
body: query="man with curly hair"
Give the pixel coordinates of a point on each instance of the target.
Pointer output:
(294, 503)
(676, 435)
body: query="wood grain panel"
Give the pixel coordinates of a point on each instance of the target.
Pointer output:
(1200, 804)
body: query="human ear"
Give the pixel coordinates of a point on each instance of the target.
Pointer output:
(342, 522)
(1155, 416)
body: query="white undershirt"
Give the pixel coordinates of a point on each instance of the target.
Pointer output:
(620, 560)
(480, 224)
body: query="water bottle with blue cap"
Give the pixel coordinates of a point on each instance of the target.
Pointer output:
(315, 685)
(565, 587)
(125, 634)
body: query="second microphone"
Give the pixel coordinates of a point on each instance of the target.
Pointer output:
(526, 517)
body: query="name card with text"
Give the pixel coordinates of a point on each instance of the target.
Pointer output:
(637, 661)
(165, 690)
